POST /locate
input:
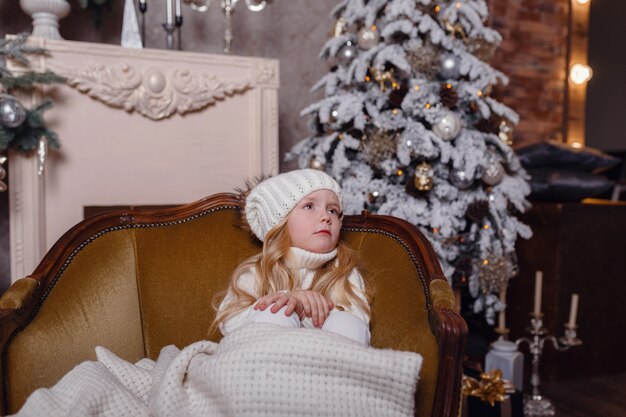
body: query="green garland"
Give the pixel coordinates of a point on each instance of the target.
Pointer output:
(25, 137)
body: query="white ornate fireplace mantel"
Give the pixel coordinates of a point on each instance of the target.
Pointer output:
(139, 127)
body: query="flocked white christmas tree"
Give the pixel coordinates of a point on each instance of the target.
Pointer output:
(408, 127)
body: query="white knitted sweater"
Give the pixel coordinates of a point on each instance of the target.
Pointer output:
(260, 370)
(303, 264)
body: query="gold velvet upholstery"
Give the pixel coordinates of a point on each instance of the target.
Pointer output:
(136, 282)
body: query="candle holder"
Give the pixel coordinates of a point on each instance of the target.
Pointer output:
(228, 8)
(169, 35)
(535, 404)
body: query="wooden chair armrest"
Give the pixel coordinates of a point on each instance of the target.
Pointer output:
(441, 294)
(18, 295)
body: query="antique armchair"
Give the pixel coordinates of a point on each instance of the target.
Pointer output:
(135, 281)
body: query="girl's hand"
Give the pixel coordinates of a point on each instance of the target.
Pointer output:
(311, 303)
(304, 302)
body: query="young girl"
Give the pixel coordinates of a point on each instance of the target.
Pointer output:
(304, 277)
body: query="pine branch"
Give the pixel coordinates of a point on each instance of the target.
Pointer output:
(26, 136)
(28, 79)
(17, 50)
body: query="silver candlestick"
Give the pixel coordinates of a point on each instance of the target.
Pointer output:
(536, 405)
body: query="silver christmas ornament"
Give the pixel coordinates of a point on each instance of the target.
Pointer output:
(449, 66)
(368, 37)
(448, 126)
(347, 53)
(460, 179)
(256, 5)
(494, 172)
(12, 113)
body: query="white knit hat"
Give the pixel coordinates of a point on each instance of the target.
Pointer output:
(273, 199)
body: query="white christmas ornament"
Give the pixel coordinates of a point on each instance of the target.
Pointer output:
(448, 126)
(368, 37)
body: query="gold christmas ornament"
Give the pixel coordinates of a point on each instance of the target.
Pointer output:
(423, 178)
(455, 31)
(505, 132)
(494, 273)
(384, 77)
(339, 28)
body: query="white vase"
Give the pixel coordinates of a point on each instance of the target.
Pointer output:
(46, 15)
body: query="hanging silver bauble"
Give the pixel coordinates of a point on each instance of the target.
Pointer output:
(256, 5)
(494, 172)
(347, 53)
(460, 179)
(448, 126)
(368, 37)
(449, 66)
(12, 113)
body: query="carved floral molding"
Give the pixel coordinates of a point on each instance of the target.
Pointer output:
(152, 92)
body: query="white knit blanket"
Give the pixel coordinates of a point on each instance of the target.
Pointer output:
(259, 370)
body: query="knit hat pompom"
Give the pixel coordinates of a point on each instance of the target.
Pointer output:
(271, 201)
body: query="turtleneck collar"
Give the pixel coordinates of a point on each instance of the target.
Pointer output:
(300, 258)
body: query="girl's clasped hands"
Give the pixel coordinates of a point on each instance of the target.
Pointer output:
(305, 303)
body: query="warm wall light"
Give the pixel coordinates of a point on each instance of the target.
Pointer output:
(576, 144)
(580, 73)
(583, 1)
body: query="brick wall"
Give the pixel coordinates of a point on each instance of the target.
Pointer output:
(533, 55)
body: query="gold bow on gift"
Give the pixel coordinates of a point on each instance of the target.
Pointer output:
(490, 388)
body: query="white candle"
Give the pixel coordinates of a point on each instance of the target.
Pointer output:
(538, 285)
(178, 11)
(573, 311)
(168, 12)
(501, 315)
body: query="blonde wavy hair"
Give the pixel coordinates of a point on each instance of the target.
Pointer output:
(273, 275)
